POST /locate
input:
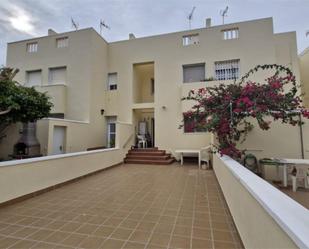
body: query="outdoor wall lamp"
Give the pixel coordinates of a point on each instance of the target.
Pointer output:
(164, 107)
(102, 112)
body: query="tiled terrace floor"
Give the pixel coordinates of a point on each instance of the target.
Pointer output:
(130, 206)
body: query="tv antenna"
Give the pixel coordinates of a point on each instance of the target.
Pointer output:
(223, 13)
(190, 16)
(74, 24)
(103, 25)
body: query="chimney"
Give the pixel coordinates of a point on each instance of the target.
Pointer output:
(208, 22)
(131, 36)
(51, 32)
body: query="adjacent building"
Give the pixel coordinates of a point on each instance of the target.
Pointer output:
(95, 84)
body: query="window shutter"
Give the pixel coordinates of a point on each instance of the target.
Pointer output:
(34, 78)
(193, 73)
(57, 75)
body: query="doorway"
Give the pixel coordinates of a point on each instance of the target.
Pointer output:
(59, 140)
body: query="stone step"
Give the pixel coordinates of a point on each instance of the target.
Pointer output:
(146, 153)
(144, 161)
(148, 157)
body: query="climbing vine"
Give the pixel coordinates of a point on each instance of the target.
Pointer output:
(227, 110)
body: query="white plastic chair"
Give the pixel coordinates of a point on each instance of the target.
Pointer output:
(141, 141)
(300, 174)
(204, 154)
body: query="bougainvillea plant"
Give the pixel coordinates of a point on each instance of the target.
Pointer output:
(227, 110)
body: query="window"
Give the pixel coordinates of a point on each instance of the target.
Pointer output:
(230, 34)
(191, 125)
(152, 86)
(112, 81)
(62, 42)
(32, 47)
(33, 78)
(227, 70)
(111, 131)
(190, 40)
(193, 73)
(57, 75)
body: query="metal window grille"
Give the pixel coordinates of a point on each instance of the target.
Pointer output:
(227, 70)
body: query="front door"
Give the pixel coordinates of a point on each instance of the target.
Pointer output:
(59, 140)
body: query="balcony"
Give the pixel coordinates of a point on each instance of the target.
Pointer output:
(58, 94)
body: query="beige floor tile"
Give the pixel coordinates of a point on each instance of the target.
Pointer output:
(112, 244)
(159, 239)
(140, 236)
(182, 231)
(57, 237)
(23, 244)
(145, 226)
(70, 227)
(104, 231)
(201, 233)
(74, 240)
(121, 233)
(91, 242)
(222, 235)
(224, 245)
(25, 232)
(87, 229)
(133, 245)
(40, 235)
(7, 242)
(129, 224)
(201, 244)
(180, 242)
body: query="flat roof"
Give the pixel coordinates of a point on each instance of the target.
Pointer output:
(143, 37)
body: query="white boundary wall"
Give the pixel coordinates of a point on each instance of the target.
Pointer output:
(264, 216)
(22, 177)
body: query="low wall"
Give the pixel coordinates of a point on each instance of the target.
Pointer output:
(19, 178)
(263, 215)
(22, 177)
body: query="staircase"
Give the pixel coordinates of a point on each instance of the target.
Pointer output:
(148, 156)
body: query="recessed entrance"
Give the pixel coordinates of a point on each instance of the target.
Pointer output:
(144, 124)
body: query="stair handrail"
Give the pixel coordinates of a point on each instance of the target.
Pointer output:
(127, 141)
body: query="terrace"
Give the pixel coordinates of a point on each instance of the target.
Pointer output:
(131, 206)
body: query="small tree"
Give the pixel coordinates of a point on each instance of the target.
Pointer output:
(19, 103)
(226, 109)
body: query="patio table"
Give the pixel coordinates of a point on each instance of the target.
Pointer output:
(284, 163)
(185, 151)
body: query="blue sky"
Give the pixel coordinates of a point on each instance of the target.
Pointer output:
(21, 19)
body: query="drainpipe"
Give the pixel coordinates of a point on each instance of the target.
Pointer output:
(301, 137)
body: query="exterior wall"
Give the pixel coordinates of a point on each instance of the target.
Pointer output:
(256, 45)
(257, 205)
(89, 59)
(304, 71)
(81, 98)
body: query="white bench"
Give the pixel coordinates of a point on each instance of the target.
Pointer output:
(202, 156)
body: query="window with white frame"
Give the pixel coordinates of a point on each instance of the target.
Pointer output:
(112, 81)
(193, 73)
(230, 34)
(32, 47)
(190, 40)
(57, 75)
(62, 42)
(33, 78)
(227, 70)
